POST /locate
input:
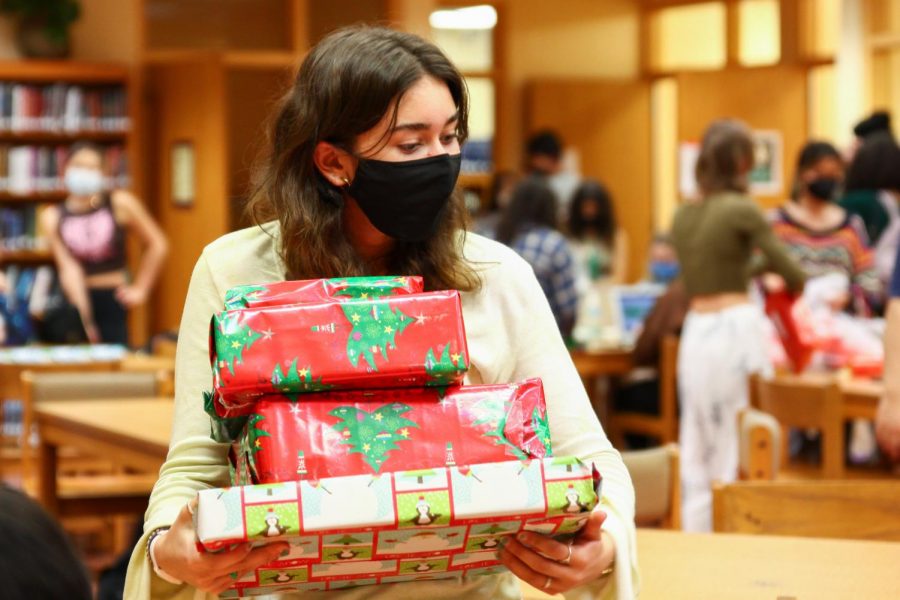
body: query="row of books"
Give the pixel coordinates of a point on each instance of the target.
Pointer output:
(32, 169)
(62, 108)
(19, 228)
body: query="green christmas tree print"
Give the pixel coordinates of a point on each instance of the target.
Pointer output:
(232, 340)
(373, 434)
(375, 327)
(368, 288)
(251, 442)
(493, 412)
(296, 381)
(567, 461)
(541, 426)
(443, 371)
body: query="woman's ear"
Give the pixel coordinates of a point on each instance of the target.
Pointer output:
(336, 165)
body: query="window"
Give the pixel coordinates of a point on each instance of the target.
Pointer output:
(467, 36)
(759, 32)
(689, 37)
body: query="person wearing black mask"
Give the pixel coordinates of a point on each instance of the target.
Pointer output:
(821, 236)
(360, 180)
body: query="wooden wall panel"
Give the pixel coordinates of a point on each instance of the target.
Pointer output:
(765, 98)
(189, 105)
(609, 124)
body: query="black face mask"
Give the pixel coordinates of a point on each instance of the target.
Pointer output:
(405, 200)
(823, 188)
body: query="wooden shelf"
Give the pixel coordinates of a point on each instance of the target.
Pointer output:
(7, 197)
(243, 59)
(50, 71)
(51, 137)
(26, 256)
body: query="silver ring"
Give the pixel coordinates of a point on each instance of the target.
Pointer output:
(568, 558)
(548, 583)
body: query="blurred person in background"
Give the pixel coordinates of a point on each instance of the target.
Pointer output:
(822, 237)
(87, 234)
(529, 226)
(502, 186)
(723, 340)
(544, 158)
(887, 419)
(872, 190)
(37, 560)
(600, 245)
(662, 266)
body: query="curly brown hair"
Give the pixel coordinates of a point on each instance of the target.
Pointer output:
(348, 82)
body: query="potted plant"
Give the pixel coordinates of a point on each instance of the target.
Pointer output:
(43, 25)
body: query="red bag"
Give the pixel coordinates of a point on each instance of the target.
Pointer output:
(405, 341)
(779, 307)
(372, 432)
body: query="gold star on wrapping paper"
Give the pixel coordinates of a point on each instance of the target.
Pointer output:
(304, 372)
(404, 432)
(355, 318)
(455, 357)
(388, 329)
(268, 333)
(378, 417)
(401, 280)
(235, 344)
(257, 443)
(366, 447)
(364, 295)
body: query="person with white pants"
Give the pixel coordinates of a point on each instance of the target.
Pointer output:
(721, 240)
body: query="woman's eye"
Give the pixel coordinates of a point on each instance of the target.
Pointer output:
(449, 138)
(409, 147)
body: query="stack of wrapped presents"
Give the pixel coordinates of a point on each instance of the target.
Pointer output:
(354, 439)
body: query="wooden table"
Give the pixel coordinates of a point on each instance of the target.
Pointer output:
(600, 363)
(132, 433)
(676, 565)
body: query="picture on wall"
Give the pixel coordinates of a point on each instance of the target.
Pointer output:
(765, 178)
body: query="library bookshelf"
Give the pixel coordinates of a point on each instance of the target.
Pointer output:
(45, 107)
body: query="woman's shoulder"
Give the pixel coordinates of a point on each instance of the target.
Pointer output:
(245, 255)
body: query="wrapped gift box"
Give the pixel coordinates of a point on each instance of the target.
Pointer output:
(405, 341)
(320, 290)
(447, 522)
(369, 432)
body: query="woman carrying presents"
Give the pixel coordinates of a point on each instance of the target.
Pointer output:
(363, 163)
(821, 236)
(87, 235)
(723, 339)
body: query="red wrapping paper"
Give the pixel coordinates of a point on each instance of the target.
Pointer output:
(406, 341)
(320, 290)
(361, 433)
(779, 309)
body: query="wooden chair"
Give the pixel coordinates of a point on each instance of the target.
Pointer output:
(805, 405)
(663, 427)
(759, 445)
(858, 509)
(657, 484)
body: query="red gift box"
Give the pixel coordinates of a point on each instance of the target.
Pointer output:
(405, 341)
(320, 290)
(370, 432)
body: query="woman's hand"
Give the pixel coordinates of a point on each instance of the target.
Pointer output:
(130, 296)
(887, 428)
(542, 561)
(176, 553)
(93, 333)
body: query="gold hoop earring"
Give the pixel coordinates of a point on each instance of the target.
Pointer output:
(346, 181)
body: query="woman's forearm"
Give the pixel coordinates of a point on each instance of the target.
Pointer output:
(151, 264)
(75, 288)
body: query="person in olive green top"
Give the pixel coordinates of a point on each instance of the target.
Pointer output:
(723, 339)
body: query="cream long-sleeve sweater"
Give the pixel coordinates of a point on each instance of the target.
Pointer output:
(511, 336)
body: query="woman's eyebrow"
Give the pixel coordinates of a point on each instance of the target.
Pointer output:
(422, 126)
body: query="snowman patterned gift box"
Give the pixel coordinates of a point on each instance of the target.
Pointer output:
(442, 523)
(413, 340)
(320, 290)
(375, 431)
